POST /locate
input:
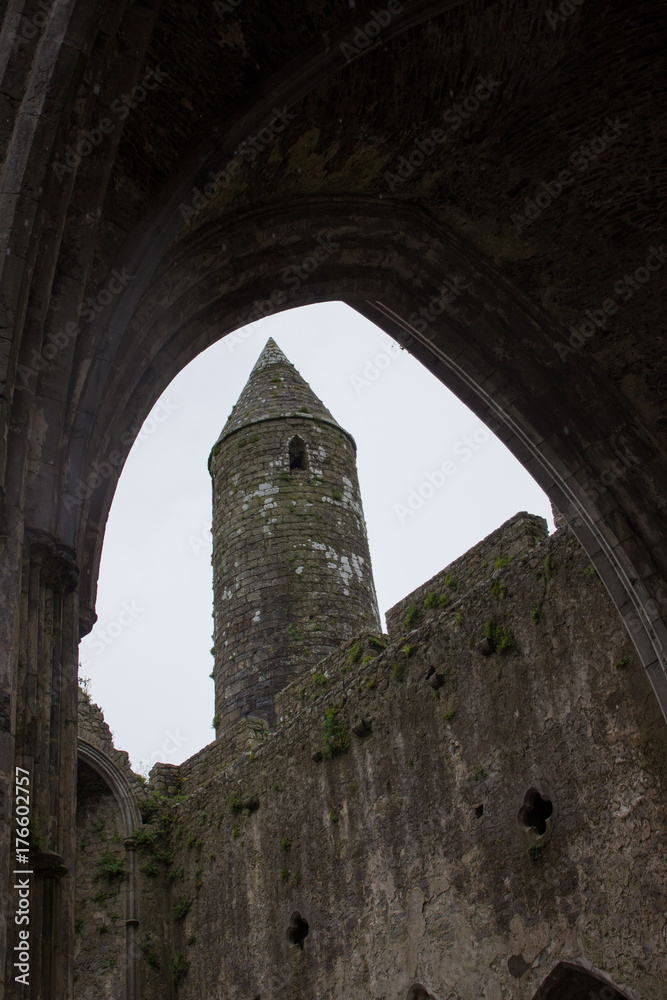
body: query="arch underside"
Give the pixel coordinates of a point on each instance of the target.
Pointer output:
(117, 783)
(474, 251)
(131, 820)
(421, 234)
(480, 337)
(569, 981)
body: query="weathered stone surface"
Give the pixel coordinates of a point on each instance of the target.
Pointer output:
(408, 855)
(291, 567)
(494, 552)
(100, 898)
(517, 254)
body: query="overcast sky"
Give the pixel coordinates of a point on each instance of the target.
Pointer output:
(148, 658)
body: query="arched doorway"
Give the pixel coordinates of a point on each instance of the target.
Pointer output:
(573, 982)
(65, 233)
(92, 760)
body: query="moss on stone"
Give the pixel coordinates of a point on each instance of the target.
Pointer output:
(335, 735)
(501, 636)
(398, 671)
(179, 968)
(182, 907)
(111, 868)
(502, 561)
(355, 652)
(412, 616)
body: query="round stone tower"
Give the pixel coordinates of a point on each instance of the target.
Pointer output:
(291, 568)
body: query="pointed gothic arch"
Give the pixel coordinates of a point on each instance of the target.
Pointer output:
(419, 992)
(130, 816)
(572, 421)
(568, 981)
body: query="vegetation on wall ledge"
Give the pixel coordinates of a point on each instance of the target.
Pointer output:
(501, 636)
(335, 735)
(111, 868)
(179, 968)
(355, 652)
(412, 616)
(182, 907)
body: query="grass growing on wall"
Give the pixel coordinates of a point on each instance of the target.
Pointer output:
(335, 735)
(111, 868)
(179, 968)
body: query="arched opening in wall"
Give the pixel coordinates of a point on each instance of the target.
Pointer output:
(297, 931)
(425, 465)
(572, 982)
(419, 992)
(101, 880)
(536, 813)
(298, 455)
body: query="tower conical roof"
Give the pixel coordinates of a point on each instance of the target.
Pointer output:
(275, 389)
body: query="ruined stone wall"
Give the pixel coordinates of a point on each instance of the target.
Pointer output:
(518, 534)
(291, 566)
(93, 728)
(389, 812)
(122, 929)
(99, 969)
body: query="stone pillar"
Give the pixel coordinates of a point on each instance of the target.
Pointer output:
(45, 750)
(132, 946)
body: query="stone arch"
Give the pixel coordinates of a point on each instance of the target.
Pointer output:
(117, 782)
(468, 346)
(620, 533)
(131, 820)
(569, 981)
(419, 992)
(58, 246)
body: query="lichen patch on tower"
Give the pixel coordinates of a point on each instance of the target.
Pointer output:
(290, 554)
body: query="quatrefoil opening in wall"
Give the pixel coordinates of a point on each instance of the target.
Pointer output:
(536, 817)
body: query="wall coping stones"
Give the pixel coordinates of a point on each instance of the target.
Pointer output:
(514, 538)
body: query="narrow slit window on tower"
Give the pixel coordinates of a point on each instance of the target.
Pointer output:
(298, 930)
(298, 456)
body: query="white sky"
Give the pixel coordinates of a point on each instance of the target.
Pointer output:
(148, 657)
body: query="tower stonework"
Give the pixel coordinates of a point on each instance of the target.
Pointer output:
(291, 566)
